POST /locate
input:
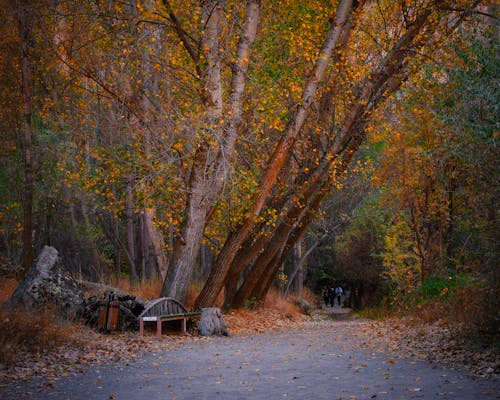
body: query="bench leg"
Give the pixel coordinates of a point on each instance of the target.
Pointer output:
(141, 327)
(158, 327)
(184, 327)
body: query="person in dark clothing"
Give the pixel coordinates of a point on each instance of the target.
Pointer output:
(326, 296)
(331, 296)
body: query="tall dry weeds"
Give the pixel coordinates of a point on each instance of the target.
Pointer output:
(274, 300)
(23, 333)
(146, 290)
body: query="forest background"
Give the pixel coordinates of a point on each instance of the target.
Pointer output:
(231, 146)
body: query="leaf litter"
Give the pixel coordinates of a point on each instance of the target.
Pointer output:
(398, 337)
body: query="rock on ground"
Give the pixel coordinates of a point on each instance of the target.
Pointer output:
(47, 286)
(305, 307)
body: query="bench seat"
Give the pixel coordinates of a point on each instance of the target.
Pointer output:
(162, 318)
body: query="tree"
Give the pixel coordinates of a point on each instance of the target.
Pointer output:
(214, 122)
(435, 144)
(386, 76)
(212, 158)
(25, 20)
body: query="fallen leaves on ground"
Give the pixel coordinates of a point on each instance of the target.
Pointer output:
(436, 343)
(95, 348)
(92, 348)
(262, 320)
(398, 337)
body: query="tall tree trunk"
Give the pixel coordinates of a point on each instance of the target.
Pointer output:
(96, 263)
(131, 228)
(220, 269)
(369, 93)
(275, 245)
(212, 164)
(260, 291)
(179, 274)
(157, 241)
(188, 246)
(450, 231)
(25, 21)
(296, 276)
(149, 266)
(299, 268)
(117, 260)
(268, 262)
(245, 258)
(152, 236)
(205, 262)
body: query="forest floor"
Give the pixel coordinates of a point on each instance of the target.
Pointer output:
(331, 353)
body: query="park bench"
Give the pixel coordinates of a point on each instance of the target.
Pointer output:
(162, 310)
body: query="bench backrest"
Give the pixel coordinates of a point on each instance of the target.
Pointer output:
(162, 306)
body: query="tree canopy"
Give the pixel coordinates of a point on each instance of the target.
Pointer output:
(201, 140)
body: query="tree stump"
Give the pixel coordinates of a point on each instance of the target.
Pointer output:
(212, 323)
(305, 306)
(47, 286)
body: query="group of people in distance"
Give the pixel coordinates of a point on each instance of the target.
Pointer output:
(329, 295)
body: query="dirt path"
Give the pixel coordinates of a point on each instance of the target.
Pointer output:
(323, 360)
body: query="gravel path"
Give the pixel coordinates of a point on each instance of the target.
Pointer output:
(324, 360)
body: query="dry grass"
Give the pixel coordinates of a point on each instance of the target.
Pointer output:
(275, 301)
(307, 295)
(375, 313)
(23, 333)
(145, 290)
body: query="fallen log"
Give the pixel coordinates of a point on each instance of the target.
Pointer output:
(101, 288)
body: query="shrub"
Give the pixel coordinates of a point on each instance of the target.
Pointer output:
(274, 300)
(441, 288)
(465, 302)
(23, 333)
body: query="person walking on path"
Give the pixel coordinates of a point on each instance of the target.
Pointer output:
(331, 296)
(338, 293)
(326, 296)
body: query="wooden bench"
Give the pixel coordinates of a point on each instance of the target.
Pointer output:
(162, 318)
(164, 309)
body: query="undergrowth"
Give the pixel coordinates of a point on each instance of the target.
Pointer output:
(467, 303)
(275, 300)
(376, 313)
(469, 306)
(23, 333)
(146, 290)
